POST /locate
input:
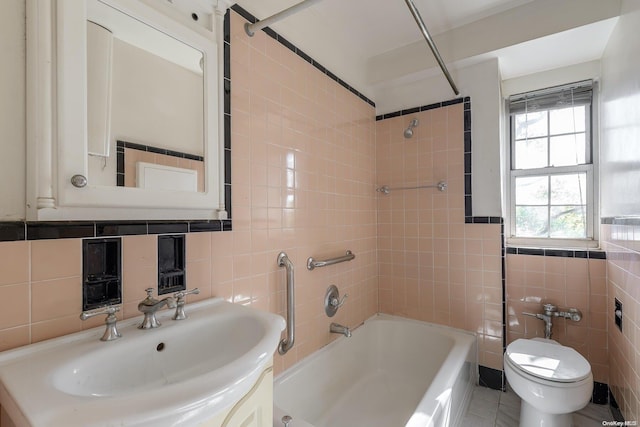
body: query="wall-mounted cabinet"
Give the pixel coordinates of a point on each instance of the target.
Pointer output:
(141, 71)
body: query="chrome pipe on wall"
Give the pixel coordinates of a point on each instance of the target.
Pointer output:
(432, 45)
(286, 343)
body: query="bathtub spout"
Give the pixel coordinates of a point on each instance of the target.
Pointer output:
(336, 328)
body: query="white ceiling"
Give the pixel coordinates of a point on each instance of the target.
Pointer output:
(369, 27)
(371, 43)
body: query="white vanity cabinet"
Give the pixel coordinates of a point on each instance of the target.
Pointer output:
(255, 409)
(75, 169)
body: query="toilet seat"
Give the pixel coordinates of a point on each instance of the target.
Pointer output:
(547, 360)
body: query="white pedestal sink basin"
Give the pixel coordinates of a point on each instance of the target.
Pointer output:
(180, 374)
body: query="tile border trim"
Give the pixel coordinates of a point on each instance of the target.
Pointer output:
(491, 378)
(423, 108)
(565, 253)
(286, 43)
(28, 230)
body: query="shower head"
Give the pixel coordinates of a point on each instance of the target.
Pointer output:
(408, 132)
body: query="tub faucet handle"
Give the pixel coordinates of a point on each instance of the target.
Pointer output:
(337, 304)
(286, 420)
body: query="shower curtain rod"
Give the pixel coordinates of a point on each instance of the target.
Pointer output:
(432, 45)
(251, 29)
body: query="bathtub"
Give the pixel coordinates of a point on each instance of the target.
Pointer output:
(392, 372)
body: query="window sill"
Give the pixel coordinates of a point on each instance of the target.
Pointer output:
(569, 244)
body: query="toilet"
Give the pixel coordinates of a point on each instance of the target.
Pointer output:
(552, 380)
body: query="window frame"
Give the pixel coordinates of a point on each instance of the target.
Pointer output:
(589, 168)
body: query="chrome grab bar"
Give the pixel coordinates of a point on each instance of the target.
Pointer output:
(312, 263)
(286, 343)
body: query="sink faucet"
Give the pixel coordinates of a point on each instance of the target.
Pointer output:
(551, 311)
(111, 332)
(181, 301)
(336, 328)
(149, 306)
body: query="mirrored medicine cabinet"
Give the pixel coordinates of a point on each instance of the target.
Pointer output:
(124, 109)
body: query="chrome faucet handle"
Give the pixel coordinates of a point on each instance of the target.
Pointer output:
(286, 420)
(337, 304)
(111, 332)
(181, 299)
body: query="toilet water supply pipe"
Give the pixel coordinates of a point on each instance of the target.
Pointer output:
(250, 29)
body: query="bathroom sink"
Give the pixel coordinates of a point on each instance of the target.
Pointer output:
(182, 373)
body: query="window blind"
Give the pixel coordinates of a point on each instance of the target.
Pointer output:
(574, 94)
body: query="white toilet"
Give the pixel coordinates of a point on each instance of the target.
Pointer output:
(552, 380)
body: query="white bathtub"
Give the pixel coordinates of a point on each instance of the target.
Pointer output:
(392, 372)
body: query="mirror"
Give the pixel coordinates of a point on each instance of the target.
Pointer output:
(136, 131)
(145, 102)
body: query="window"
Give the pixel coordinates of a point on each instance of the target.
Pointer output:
(551, 174)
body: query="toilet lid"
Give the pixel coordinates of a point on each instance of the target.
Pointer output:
(548, 360)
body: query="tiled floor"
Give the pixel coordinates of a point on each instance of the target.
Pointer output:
(489, 408)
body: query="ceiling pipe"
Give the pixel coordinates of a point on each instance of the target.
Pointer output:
(251, 29)
(432, 45)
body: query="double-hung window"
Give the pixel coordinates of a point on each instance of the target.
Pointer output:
(551, 174)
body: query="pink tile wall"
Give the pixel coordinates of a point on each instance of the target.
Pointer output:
(433, 266)
(622, 243)
(42, 281)
(303, 173)
(580, 283)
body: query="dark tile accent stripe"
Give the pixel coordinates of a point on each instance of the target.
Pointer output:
(615, 409)
(205, 226)
(18, 230)
(565, 253)
(286, 43)
(161, 227)
(503, 283)
(600, 393)
(10, 231)
(227, 114)
(411, 111)
(635, 220)
(422, 108)
(141, 147)
(468, 199)
(60, 230)
(115, 228)
(491, 378)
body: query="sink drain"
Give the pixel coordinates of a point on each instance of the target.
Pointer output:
(160, 347)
